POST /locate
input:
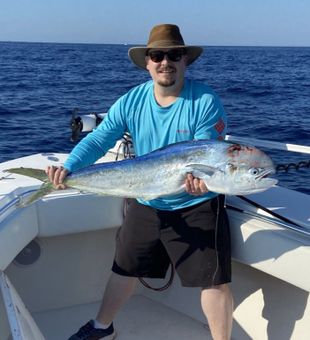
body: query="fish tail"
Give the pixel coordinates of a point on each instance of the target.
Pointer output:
(30, 172)
(46, 187)
(44, 190)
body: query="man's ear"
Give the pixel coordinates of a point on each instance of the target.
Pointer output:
(146, 58)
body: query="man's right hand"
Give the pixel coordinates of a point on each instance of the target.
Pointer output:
(57, 175)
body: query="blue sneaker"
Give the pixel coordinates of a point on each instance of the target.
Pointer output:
(89, 332)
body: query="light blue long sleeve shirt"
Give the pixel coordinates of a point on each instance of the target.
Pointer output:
(196, 114)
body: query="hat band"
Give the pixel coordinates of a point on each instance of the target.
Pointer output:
(165, 43)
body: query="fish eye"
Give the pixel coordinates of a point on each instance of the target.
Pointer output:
(254, 171)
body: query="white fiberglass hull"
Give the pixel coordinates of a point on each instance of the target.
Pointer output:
(69, 240)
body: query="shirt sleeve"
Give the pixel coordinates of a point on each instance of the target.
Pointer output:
(99, 141)
(212, 122)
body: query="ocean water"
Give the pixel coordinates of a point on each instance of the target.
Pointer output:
(265, 92)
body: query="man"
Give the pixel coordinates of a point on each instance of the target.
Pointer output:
(165, 110)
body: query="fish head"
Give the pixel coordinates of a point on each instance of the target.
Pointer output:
(247, 169)
(244, 170)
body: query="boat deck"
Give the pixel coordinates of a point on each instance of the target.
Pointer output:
(133, 322)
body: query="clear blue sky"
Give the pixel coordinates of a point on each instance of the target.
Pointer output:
(204, 22)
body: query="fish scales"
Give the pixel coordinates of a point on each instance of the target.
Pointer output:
(225, 167)
(147, 177)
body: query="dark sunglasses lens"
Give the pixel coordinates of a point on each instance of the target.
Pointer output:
(173, 55)
(157, 56)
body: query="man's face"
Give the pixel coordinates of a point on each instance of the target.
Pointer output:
(166, 66)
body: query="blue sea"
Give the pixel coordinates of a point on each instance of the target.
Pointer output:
(265, 91)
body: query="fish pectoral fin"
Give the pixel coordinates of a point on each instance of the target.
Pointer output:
(200, 170)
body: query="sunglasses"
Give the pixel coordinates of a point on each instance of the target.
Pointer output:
(173, 55)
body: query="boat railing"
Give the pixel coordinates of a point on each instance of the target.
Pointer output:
(270, 144)
(86, 123)
(16, 199)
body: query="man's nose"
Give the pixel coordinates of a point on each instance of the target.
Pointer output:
(166, 59)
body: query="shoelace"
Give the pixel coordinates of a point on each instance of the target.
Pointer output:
(85, 329)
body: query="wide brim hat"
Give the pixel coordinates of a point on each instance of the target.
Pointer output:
(163, 36)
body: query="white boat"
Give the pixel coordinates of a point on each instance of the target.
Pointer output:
(56, 255)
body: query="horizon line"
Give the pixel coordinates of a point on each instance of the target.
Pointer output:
(133, 44)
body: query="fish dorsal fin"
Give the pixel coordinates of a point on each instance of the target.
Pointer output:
(201, 170)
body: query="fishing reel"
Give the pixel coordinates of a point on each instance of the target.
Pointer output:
(84, 123)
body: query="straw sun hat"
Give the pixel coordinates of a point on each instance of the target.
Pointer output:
(163, 36)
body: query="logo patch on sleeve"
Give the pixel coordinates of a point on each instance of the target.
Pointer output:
(220, 126)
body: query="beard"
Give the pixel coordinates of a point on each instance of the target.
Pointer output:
(169, 79)
(166, 83)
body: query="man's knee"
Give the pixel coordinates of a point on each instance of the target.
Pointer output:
(217, 288)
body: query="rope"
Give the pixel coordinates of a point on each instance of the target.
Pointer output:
(160, 289)
(294, 166)
(125, 147)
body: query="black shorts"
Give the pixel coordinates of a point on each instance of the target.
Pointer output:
(195, 239)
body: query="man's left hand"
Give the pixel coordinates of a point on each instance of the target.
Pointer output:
(195, 186)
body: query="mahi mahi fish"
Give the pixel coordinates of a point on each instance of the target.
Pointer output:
(225, 167)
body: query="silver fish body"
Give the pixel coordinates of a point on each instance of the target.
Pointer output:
(226, 168)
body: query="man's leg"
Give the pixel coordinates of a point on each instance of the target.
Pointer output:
(217, 305)
(118, 290)
(138, 252)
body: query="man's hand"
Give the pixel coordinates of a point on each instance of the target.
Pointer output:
(195, 186)
(57, 175)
